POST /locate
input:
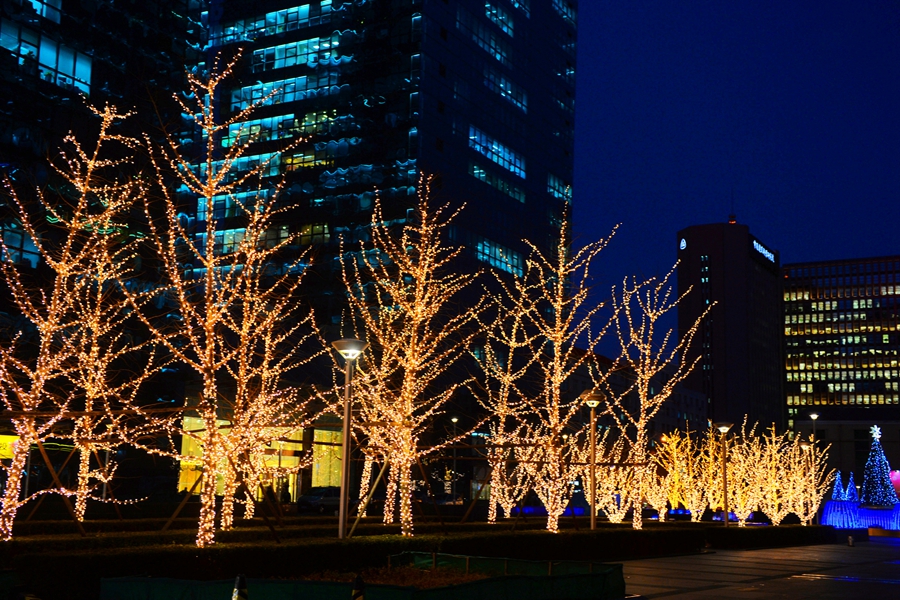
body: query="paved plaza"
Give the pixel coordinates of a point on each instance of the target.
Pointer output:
(827, 572)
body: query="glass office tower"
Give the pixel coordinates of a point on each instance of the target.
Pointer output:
(478, 93)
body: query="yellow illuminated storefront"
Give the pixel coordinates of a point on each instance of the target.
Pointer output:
(326, 468)
(6, 442)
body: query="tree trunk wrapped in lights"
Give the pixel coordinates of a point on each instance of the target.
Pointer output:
(68, 362)
(402, 294)
(745, 475)
(552, 301)
(678, 454)
(808, 479)
(654, 366)
(506, 359)
(240, 325)
(773, 474)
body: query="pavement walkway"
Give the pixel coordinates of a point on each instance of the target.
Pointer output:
(827, 572)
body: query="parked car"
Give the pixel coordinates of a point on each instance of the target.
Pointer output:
(320, 499)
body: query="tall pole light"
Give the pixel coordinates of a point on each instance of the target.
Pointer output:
(593, 399)
(723, 428)
(350, 349)
(453, 476)
(814, 417)
(806, 453)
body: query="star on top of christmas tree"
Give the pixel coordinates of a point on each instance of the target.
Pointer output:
(876, 432)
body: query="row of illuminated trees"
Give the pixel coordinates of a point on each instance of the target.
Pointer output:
(111, 308)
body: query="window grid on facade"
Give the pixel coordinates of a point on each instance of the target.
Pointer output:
(558, 188)
(523, 5)
(311, 51)
(495, 182)
(499, 17)
(499, 83)
(273, 23)
(324, 83)
(314, 233)
(841, 331)
(566, 10)
(54, 62)
(499, 256)
(497, 152)
(486, 38)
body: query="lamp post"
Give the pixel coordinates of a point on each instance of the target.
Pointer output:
(814, 416)
(723, 428)
(806, 446)
(453, 477)
(593, 399)
(350, 349)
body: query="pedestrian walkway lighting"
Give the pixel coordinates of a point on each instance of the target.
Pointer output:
(593, 399)
(723, 429)
(350, 349)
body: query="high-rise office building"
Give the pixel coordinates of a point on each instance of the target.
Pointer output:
(58, 55)
(842, 342)
(737, 278)
(479, 93)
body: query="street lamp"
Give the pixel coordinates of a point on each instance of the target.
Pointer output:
(806, 446)
(723, 428)
(453, 477)
(593, 399)
(814, 416)
(350, 349)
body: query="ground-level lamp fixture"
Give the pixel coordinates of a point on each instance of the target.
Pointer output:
(723, 429)
(593, 400)
(350, 349)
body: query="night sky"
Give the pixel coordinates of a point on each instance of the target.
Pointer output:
(792, 108)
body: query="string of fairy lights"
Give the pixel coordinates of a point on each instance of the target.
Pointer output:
(240, 323)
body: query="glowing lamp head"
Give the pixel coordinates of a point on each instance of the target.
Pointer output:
(805, 445)
(813, 416)
(723, 427)
(593, 399)
(454, 419)
(350, 348)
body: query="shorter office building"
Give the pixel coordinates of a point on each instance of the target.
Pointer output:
(731, 282)
(841, 340)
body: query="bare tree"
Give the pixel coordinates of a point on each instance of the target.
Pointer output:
(652, 360)
(238, 321)
(402, 293)
(66, 365)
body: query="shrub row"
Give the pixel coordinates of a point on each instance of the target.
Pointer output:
(76, 574)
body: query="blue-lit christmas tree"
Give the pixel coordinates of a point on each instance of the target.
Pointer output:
(877, 489)
(850, 493)
(838, 493)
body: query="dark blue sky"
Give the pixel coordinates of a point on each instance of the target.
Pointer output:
(795, 106)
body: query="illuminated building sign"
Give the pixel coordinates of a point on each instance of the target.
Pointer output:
(764, 251)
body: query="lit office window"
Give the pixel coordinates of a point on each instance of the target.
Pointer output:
(483, 36)
(495, 182)
(499, 17)
(314, 233)
(20, 248)
(304, 52)
(566, 10)
(323, 83)
(498, 256)
(497, 152)
(497, 82)
(47, 58)
(273, 23)
(559, 188)
(523, 5)
(49, 9)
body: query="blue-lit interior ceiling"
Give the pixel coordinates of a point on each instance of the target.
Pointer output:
(477, 92)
